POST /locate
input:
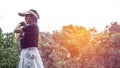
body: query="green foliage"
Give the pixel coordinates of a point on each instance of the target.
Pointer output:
(9, 50)
(90, 48)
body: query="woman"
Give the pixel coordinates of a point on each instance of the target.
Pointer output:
(28, 36)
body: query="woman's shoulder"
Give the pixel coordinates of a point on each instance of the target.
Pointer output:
(33, 24)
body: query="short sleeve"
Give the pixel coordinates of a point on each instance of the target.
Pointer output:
(30, 28)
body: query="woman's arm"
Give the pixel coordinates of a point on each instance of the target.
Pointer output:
(19, 36)
(18, 29)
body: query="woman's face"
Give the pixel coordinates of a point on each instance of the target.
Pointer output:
(28, 19)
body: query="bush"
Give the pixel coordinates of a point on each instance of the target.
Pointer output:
(9, 50)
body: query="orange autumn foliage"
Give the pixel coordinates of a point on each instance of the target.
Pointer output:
(73, 38)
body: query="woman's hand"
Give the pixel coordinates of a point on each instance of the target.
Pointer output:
(18, 29)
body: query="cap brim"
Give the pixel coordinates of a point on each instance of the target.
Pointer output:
(23, 14)
(27, 13)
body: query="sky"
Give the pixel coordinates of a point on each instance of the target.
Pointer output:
(54, 14)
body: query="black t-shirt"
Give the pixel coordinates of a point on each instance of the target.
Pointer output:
(30, 37)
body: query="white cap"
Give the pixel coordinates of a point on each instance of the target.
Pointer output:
(29, 12)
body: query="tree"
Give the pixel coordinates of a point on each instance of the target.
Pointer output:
(9, 50)
(73, 38)
(114, 45)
